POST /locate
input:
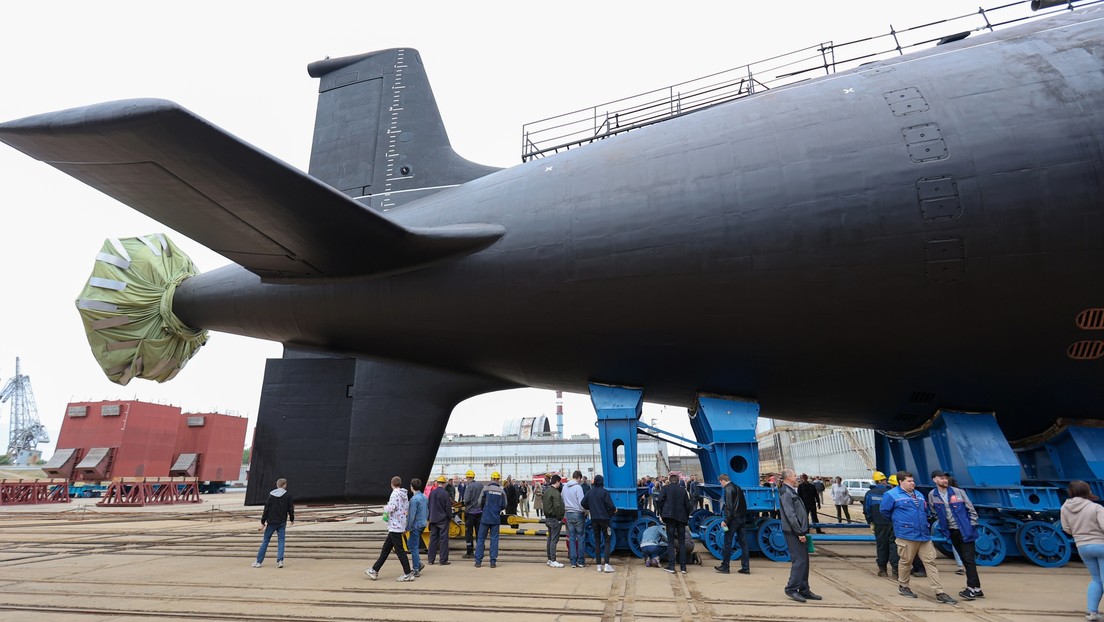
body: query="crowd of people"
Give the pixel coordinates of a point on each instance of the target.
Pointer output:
(898, 514)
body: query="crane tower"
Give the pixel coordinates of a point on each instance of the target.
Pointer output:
(26, 431)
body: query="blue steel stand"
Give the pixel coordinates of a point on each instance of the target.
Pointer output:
(1072, 452)
(1013, 519)
(618, 410)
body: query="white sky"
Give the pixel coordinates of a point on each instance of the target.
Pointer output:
(242, 65)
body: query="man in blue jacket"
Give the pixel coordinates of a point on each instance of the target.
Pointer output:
(958, 523)
(493, 503)
(908, 512)
(883, 528)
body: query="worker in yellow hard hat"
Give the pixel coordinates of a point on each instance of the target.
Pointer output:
(880, 525)
(473, 490)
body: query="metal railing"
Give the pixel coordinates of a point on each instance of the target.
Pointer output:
(586, 125)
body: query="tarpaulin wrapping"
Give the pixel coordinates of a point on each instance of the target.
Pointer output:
(126, 308)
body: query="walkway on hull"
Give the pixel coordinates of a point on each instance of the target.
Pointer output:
(192, 563)
(573, 129)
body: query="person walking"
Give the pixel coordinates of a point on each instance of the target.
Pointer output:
(881, 526)
(674, 507)
(735, 514)
(957, 520)
(600, 505)
(473, 492)
(279, 512)
(794, 516)
(416, 521)
(553, 519)
(1083, 519)
(576, 519)
(538, 497)
(398, 506)
(908, 511)
(808, 494)
(493, 503)
(440, 515)
(523, 498)
(841, 497)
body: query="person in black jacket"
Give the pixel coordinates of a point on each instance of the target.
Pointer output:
(599, 503)
(440, 513)
(674, 508)
(735, 513)
(279, 510)
(511, 490)
(811, 498)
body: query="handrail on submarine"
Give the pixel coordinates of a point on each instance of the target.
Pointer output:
(579, 127)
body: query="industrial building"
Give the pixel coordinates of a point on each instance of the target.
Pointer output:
(104, 440)
(527, 447)
(816, 449)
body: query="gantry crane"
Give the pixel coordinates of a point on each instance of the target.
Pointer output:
(26, 431)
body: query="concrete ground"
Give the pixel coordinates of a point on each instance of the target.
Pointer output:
(79, 562)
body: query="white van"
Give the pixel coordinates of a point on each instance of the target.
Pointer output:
(857, 488)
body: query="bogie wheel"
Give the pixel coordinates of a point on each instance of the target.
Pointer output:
(697, 517)
(939, 542)
(771, 541)
(714, 540)
(1044, 544)
(590, 547)
(989, 545)
(636, 532)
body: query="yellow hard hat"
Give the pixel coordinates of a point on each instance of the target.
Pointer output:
(879, 476)
(893, 480)
(441, 479)
(495, 475)
(470, 474)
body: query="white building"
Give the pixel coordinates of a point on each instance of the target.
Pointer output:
(527, 447)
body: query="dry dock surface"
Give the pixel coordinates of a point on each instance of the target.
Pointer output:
(81, 563)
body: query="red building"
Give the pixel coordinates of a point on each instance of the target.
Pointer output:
(102, 440)
(209, 446)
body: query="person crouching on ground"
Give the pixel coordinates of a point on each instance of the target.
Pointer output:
(653, 544)
(398, 506)
(279, 511)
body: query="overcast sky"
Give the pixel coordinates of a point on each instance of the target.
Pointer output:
(242, 66)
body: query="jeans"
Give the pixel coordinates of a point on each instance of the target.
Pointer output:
(737, 530)
(676, 534)
(414, 543)
(269, 530)
(554, 525)
(601, 541)
(481, 540)
(576, 532)
(653, 550)
(1093, 556)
